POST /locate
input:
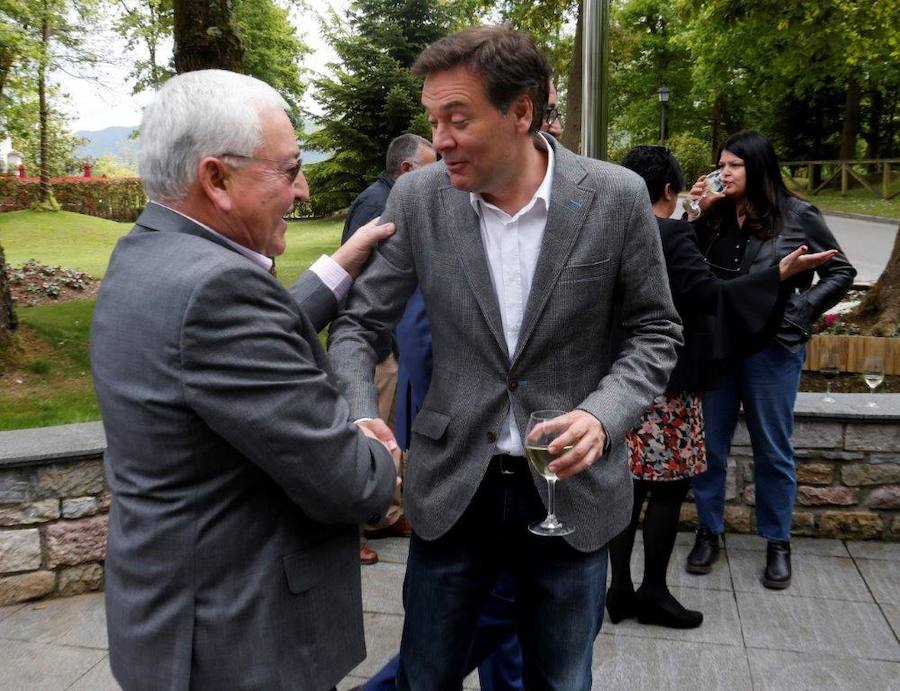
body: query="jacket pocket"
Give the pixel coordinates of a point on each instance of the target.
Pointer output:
(573, 273)
(797, 315)
(431, 423)
(308, 567)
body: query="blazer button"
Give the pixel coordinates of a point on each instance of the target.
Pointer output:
(491, 437)
(513, 385)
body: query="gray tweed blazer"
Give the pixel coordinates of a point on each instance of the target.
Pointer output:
(600, 262)
(237, 478)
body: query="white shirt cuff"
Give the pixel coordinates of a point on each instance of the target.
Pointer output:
(333, 276)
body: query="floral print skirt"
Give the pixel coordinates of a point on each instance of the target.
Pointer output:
(668, 443)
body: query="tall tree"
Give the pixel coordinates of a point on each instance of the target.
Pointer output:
(372, 96)
(205, 36)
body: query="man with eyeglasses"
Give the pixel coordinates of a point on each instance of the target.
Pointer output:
(238, 479)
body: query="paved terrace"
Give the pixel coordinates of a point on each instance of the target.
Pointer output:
(836, 627)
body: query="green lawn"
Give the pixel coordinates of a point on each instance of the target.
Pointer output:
(52, 385)
(857, 201)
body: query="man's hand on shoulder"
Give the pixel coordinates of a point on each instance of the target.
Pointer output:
(585, 434)
(352, 255)
(376, 428)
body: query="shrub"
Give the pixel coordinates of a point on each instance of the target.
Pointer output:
(118, 199)
(693, 155)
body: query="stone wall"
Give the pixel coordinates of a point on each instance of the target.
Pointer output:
(848, 471)
(54, 499)
(53, 506)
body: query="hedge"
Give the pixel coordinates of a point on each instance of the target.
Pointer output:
(118, 199)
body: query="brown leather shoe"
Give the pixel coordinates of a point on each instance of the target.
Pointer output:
(367, 555)
(399, 528)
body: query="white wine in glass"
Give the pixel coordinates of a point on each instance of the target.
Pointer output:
(538, 437)
(714, 185)
(873, 375)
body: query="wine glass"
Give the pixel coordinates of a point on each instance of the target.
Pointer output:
(538, 437)
(873, 374)
(829, 367)
(714, 184)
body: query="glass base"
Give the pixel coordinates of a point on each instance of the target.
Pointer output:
(828, 398)
(550, 527)
(871, 404)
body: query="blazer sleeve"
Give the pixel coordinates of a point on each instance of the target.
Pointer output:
(315, 299)
(741, 307)
(374, 305)
(651, 328)
(251, 371)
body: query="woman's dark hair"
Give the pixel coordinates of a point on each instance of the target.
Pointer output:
(657, 166)
(765, 191)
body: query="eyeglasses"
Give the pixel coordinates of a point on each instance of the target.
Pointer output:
(551, 114)
(290, 173)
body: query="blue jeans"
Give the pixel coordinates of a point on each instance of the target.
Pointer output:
(766, 384)
(559, 592)
(495, 648)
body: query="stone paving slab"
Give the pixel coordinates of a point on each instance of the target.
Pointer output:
(834, 578)
(638, 664)
(382, 588)
(779, 671)
(9, 611)
(821, 547)
(892, 614)
(31, 666)
(883, 577)
(717, 579)
(99, 678)
(810, 625)
(721, 624)
(875, 550)
(393, 550)
(73, 621)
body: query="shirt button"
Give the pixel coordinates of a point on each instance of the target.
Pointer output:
(491, 437)
(513, 385)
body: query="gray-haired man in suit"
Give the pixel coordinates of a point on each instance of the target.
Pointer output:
(237, 476)
(526, 254)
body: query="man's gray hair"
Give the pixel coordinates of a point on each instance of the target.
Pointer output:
(199, 114)
(403, 148)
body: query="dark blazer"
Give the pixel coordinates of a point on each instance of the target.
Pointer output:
(718, 315)
(413, 338)
(600, 248)
(237, 479)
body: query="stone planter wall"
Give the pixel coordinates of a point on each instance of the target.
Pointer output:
(848, 470)
(54, 500)
(53, 506)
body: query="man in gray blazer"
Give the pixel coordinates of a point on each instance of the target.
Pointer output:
(527, 256)
(237, 476)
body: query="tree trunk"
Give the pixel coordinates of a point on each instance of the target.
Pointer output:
(879, 310)
(571, 136)
(8, 320)
(44, 196)
(205, 37)
(873, 136)
(850, 129)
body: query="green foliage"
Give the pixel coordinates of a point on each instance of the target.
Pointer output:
(693, 156)
(372, 96)
(145, 24)
(119, 199)
(109, 166)
(24, 128)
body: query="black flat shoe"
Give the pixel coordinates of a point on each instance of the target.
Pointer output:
(664, 610)
(778, 565)
(704, 553)
(621, 604)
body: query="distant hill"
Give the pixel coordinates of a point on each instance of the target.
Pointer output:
(116, 142)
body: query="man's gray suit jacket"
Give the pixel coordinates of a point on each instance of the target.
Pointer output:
(237, 480)
(600, 261)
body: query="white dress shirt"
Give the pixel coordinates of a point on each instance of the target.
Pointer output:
(329, 271)
(512, 245)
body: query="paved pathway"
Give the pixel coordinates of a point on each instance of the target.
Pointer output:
(837, 627)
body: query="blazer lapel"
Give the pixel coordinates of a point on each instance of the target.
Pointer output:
(754, 244)
(465, 229)
(569, 205)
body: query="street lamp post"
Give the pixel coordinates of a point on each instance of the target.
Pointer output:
(663, 93)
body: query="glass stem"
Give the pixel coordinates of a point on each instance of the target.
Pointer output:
(828, 388)
(551, 499)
